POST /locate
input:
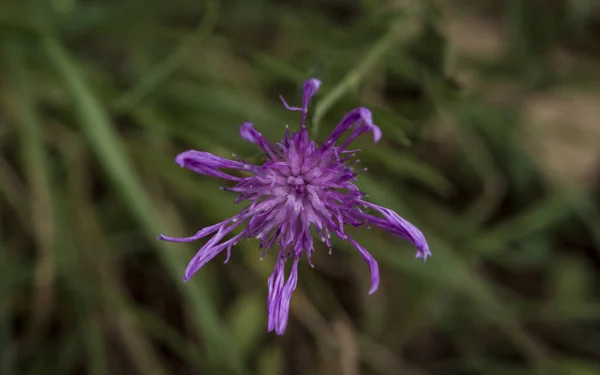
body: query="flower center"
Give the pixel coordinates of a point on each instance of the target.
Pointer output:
(297, 185)
(296, 181)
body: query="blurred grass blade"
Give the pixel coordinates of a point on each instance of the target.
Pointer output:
(6, 345)
(270, 361)
(246, 321)
(585, 207)
(407, 166)
(96, 349)
(161, 330)
(543, 214)
(41, 201)
(109, 150)
(401, 29)
(165, 68)
(275, 65)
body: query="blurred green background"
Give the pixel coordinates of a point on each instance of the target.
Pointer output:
(490, 112)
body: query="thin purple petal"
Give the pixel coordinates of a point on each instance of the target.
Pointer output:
(287, 106)
(250, 134)
(398, 226)
(371, 262)
(275, 284)
(280, 295)
(310, 89)
(363, 121)
(211, 249)
(209, 164)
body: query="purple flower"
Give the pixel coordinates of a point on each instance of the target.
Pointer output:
(300, 185)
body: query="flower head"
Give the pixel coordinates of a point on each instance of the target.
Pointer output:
(301, 185)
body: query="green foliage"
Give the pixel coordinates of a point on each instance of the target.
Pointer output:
(99, 96)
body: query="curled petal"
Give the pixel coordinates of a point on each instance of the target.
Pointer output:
(280, 295)
(211, 249)
(250, 134)
(287, 106)
(309, 90)
(275, 285)
(376, 132)
(245, 214)
(207, 253)
(364, 120)
(209, 164)
(275, 281)
(371, 262)
(206, 159)
(201, 233)
(398, 226)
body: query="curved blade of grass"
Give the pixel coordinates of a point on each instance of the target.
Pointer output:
(401, 29)
(166, 67)
(275, 65)
(41, 205)
(104, 141)
(104, 282)
(542, 214)
(410, 167)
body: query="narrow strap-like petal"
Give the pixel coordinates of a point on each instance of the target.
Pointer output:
(309, 90)
(275, 285)
(280, 295)
(250, 134)
(211, 249)
(209, 164)
(393, 223)
(363, 119)
(286, 298)
(287, 106)
(370, 261)
(245, 214)
(201, 233)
